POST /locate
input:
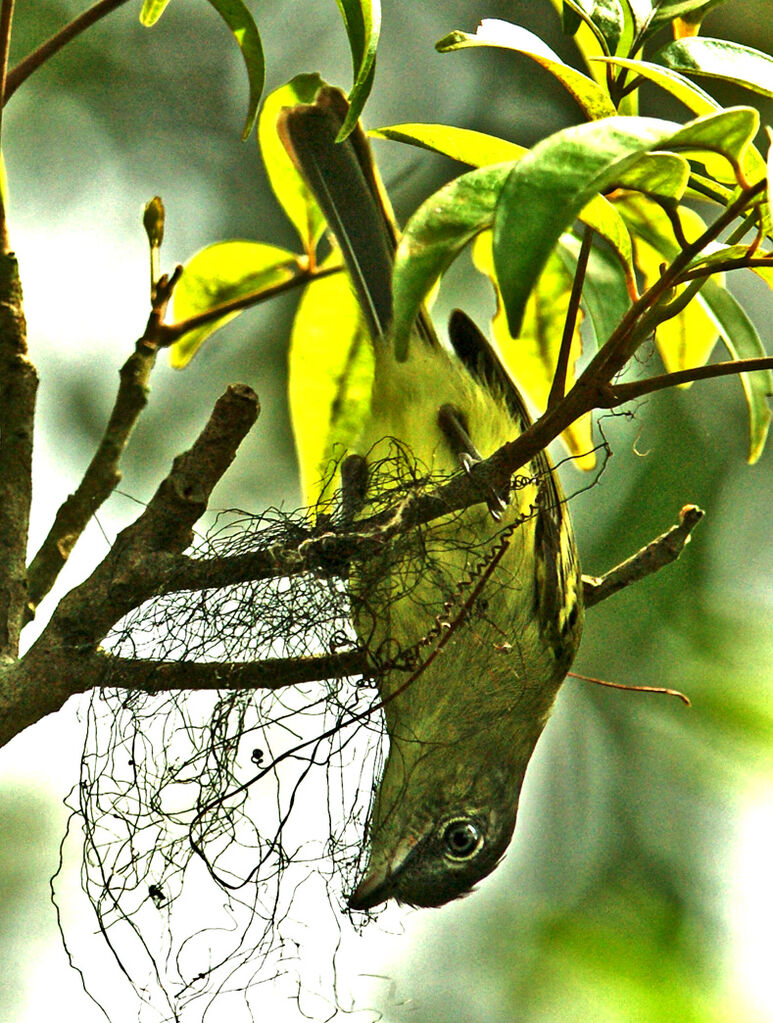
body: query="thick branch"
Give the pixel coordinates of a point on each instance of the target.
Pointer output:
(46, 50)
(99, 480)
(18, 387)
(272, 673)
(660, 552)
(619, 394)
(61, 661)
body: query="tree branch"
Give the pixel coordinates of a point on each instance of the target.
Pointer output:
(662, 551)
(619, 394)
(60, 663)
(46, 50)
(101, 477)
(18, 388)
(271, 673)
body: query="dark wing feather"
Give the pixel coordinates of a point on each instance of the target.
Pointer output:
(556, 570)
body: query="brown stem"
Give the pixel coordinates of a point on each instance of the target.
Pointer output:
(167, 334)
(619, 394)
(21, 72)
(662, 551)
(558, 387)
(18, 387)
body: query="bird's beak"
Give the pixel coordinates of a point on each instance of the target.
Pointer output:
(378, 884)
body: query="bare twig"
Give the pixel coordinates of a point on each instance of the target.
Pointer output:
(46, 50)
(18, 387)
(100, 478)
(660, 552)
(272, 673)
(558, 387)
(619, 394)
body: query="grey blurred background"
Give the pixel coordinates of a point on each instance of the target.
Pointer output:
(637, 888)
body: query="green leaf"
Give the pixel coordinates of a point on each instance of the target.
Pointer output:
(151, 11)
(287, 184)
(690, 11)
(235, 14)
(220, 273)
(475, 148)
(330, 379)
(362, 19)
(434, 236)
(592, 99)
(531, 358)
(548, 188)
(719, 58)
(742, 341)
(605, 18)
(681, 88)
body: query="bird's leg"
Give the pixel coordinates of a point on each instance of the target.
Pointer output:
(354, 487)
(453, 425)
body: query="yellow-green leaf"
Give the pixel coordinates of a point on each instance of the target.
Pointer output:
(220, 273)
(592, 99)
(330, 379)
(362, 19)
(464, 145)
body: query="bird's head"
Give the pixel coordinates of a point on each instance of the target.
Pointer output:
(440, 836)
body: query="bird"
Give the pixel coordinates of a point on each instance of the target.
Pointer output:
(497, 585)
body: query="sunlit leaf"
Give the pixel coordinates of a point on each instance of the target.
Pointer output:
(220, 273)
(330, 378)
(362, 19)
(720, 58)
(151, 11)
(462, 144)
(531, 358)
(288, 186)
(588, 38)
(547, 189)
(681, 88)
(593, 100)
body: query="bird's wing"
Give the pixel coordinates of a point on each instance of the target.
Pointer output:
(556, 570)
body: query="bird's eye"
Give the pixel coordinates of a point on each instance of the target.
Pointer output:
(462, 838)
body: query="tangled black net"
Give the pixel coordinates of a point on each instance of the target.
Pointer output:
(224, 829)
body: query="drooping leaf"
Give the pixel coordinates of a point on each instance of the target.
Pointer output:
(330, 379)
(362, 19)
(239, 20)
(592, 99)
(547, 189)
(475, 148)
(588, 38)
(690, 12)
(720, 58)
(531, 358)
(242, 25)
(287, 184)
(681, 88)
(218, 274)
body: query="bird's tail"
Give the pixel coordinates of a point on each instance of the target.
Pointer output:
(344, 181)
